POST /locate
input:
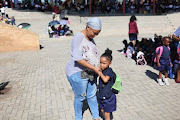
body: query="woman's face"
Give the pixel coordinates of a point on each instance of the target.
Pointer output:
(91, 33)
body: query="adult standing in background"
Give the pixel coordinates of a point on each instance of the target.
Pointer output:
(133, 30)
(82, 68)
(3, 11)
(176, 37)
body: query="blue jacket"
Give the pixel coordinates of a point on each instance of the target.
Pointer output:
(105, 91)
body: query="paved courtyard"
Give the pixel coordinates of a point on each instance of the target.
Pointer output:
(39, 89)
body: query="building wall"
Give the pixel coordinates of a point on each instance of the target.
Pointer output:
(17, 39)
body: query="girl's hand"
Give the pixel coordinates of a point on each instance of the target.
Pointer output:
(97, 69)
(158, 64)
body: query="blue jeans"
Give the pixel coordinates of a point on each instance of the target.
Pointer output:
(83, 88)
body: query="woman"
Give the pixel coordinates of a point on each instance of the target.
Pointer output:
(82, 68)
(176, 37)
(133, 30)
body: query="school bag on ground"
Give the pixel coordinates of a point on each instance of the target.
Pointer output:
(141, 60)
(161, 50)
(117, 86)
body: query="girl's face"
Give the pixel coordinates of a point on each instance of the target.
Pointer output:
(166, 41)
(91, 33)
(104, 63)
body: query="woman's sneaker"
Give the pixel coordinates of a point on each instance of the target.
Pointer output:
(160, 82)
(166, 81)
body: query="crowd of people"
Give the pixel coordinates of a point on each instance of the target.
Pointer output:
(61, 30)
(131, 6)
(147, 51)
(5, 17)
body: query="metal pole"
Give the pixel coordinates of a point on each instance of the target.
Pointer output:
(153, 7)
(89, 7)
(11, 4)
(123, 7)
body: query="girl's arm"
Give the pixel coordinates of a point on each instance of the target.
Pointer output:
(157, 58)
(104, 78)
(136, 28)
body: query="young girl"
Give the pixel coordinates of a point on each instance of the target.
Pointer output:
(107, 99)
(13, 21)
(163, 61)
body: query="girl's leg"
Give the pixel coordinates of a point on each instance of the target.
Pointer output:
(92, 99)
(159, 79)
(166, 74)
(79, 87)
(134, 42)
(107, 116)
(160, 75)
(165, 79)
(178, 74)
(102, 110)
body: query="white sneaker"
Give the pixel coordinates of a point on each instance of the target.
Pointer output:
(166, 81)
(160, 82)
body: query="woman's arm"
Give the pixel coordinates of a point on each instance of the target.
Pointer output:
(176, 38)
(88, 65)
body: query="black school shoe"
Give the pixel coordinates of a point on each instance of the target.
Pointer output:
(3, 85)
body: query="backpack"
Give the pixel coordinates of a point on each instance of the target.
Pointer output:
(117, 84)
(161, 50)
(141, 60)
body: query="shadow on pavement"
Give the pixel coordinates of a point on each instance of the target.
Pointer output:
(151, 75)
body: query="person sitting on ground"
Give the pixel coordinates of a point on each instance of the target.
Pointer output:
(130, 50)
(140, 58)
(59, 29)
(163, 61)
(50, 31)
(7, 19)
(67, 31)
(54, 29)
(125, 46)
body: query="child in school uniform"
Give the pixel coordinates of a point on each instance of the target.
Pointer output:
(163, 61)
(107, 99)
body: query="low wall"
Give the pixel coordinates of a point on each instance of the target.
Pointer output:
(13, 38)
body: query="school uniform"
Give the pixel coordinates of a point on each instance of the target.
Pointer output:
(164, 59)
(107, 99)
(133, 31)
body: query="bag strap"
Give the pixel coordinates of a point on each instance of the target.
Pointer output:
(109, 82)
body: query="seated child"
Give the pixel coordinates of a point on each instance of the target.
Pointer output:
(125, 45)
(140, 58)
(130, 50)
(107, 99)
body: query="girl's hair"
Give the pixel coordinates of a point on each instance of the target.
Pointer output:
(133, 18)
(107, 54)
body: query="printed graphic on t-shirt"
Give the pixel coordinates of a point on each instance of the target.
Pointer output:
(90, 52)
